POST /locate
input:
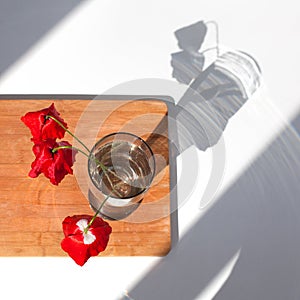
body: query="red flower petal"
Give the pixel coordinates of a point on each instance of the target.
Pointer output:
(81, 246)
(53, 165)
(41, 128)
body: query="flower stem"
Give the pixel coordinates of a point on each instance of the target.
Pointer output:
(68, 131)
(96, 214)
(102, 166)
(78, 140)
(69, 147)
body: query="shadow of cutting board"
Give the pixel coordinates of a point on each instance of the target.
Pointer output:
(32, 210)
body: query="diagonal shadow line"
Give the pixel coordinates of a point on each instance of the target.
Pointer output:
(259, 214)
(23, 23)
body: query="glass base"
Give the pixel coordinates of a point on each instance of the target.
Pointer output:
(110, 212)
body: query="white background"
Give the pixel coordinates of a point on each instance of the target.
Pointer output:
(100, 44)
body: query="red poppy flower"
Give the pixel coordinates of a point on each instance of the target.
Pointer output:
(43, 128)
(80, 245)
(53, 165)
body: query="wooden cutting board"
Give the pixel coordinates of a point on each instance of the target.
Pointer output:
(31, 210)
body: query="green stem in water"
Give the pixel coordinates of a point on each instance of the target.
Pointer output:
(103, 167)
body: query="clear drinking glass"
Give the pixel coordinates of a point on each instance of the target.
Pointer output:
(121, 168)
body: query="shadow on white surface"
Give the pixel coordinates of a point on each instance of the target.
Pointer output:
(23, 23)
(258, 214)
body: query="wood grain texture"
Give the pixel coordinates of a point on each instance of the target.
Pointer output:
(31, 210)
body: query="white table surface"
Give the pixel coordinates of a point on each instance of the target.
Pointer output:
(101, 44)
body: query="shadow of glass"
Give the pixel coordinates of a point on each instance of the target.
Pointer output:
(259, 215)
(214, 95)
(23, 23)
